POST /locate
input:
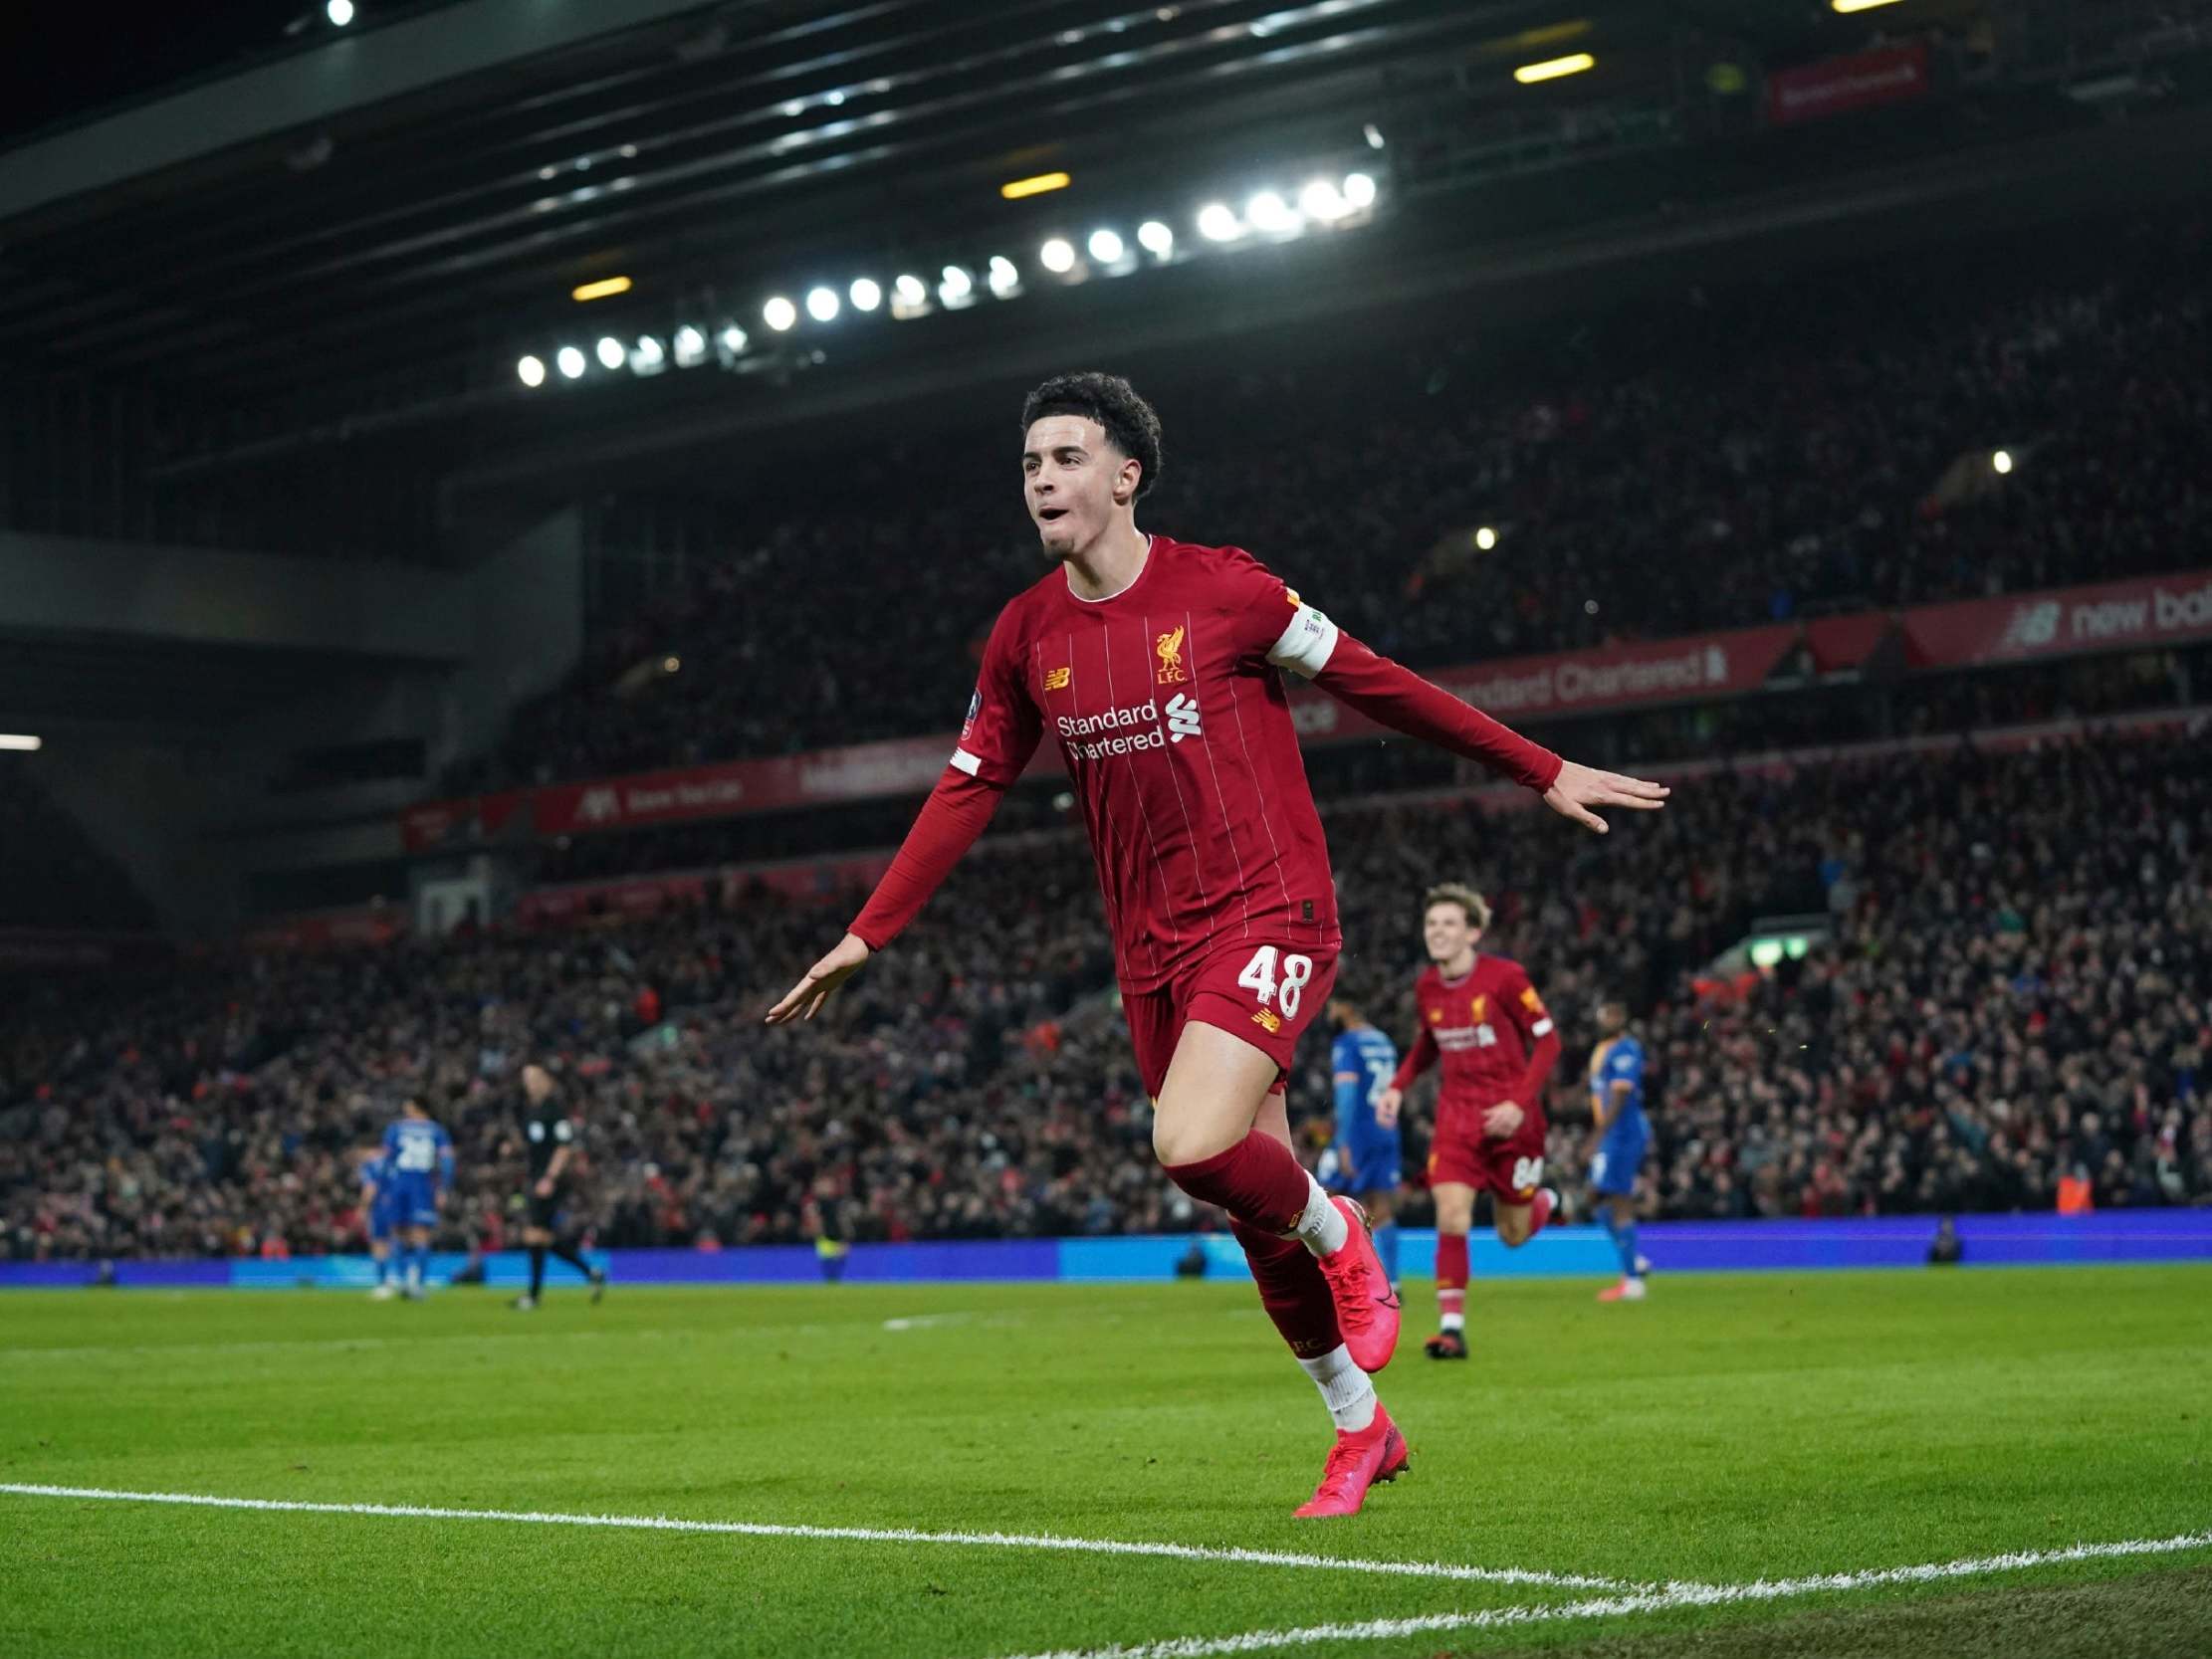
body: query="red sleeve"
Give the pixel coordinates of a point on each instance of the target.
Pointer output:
(1002, 726)
(1539, 1036)
(1267, 618)
(1401, 700)
(951, 819)
(1421, 1056)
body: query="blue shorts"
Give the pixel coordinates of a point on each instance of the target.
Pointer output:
(414, 1202)
(381, 1224)
(1373, 1155)
(1615, 1167)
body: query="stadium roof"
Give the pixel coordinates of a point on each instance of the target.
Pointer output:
(406, 199)
(361, 230)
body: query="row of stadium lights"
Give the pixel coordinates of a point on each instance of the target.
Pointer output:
(1268, 215)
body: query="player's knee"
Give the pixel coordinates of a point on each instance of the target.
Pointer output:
(1177, 1141)
(1512, 1231)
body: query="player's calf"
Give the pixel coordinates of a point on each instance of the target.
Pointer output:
(1518, 1223)
(1450, 1342)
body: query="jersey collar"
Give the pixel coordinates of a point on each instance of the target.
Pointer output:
(1152, 552)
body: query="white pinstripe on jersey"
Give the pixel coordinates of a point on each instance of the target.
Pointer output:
(1259, 794)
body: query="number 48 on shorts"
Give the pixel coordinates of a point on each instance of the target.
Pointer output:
(1259, 978)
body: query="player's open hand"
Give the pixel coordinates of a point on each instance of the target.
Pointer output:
(1387, 1104)
(1504, 1121)
(804, 999)
(1579, 788)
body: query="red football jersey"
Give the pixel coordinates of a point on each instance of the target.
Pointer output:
(1492, 1032)
(1169, 711)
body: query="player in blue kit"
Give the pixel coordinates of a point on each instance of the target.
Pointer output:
(420, 1156)
(1366, 1153)
(376, 1212)
(1617, 1106)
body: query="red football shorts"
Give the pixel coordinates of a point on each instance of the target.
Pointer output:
(1510, 1169)
(1267, 994)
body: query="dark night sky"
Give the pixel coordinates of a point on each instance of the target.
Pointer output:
(60, 59)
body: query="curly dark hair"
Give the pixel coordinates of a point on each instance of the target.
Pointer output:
(1128, 420)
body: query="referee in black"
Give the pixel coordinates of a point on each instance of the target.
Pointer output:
(550, 1136)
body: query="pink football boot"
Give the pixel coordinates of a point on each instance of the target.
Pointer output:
(1366, 1306)
(1356, 1461)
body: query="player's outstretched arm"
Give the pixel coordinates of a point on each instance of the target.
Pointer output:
(1398, 698)
(946, 826)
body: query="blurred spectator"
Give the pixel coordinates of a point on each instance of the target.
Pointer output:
(2016, 987)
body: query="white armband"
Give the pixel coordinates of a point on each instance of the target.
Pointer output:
(966, 762)
(1306, 645)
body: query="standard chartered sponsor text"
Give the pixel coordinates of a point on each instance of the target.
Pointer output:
(1133, 727)
(1568, 683)
(681, 796)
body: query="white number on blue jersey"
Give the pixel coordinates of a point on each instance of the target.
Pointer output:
(1379, 1072)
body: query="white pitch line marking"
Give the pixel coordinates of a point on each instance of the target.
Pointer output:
(926, 1322)
(863, 1534)
(1655, 1601)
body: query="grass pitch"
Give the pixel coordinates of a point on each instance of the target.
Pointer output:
(1731, 1429)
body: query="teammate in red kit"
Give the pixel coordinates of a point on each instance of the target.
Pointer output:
(1484, 1020)
(1156, 667)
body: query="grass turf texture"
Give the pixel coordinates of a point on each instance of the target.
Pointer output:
(1732, 1429)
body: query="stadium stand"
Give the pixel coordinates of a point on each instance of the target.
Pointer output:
(2017, 986)
(1795, 447)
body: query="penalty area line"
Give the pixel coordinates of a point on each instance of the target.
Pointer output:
(1657, 1599)
(860, 1535)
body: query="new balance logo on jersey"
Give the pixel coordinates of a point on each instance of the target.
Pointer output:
(1183, 718)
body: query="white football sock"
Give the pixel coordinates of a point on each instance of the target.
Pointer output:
(1455, 1322)
(1346, 1391)
(1321, 1227)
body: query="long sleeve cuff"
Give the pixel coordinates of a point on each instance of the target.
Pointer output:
(946, 826)
(1399, 698)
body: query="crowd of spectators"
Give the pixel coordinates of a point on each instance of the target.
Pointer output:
(1685, 462)
(1809, 717)
(2018, 988)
